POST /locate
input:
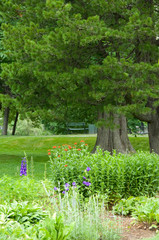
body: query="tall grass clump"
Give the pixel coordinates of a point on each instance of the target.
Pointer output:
(116, 175)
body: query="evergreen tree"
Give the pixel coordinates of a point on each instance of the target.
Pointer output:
(97, 53)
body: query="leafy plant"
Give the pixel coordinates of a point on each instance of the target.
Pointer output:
(50, 228)
(54, 229)
(115, 175)
(141, 208)
(21, 189)
(22, 213)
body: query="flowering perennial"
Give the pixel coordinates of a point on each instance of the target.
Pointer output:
(23, 169)
(88, 169)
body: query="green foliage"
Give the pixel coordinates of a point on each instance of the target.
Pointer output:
(12, 150)
(20, 189)
(116, 175)
(77, 53)
(23, 212)
(142, 208)
(54, 229)
(71, 216)
(51, 228)
(88, 215)
(26, 128)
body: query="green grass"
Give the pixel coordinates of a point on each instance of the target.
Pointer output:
(12, 150)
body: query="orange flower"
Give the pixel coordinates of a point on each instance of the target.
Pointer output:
(69, 147)
(78, 149)
(86, 144)
(66, 165)
(59, 146)
(75, 143)
(54, 147)
(73, 147)
(65, 149)
(49, 153)
(58, 155)
(82, 141)
(49, 150)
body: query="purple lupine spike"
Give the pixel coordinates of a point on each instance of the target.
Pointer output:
(23, 169)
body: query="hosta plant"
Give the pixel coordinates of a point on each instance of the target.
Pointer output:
(21, 212)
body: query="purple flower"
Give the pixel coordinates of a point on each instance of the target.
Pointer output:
(88, 184)
(67, 184)
(84, 177)
(23, 169)
(63, 192)
(84, 182)
(88, 169)
(55, 188)
(73, 184)
(67, 189)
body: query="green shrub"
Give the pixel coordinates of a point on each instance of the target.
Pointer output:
(117, 175)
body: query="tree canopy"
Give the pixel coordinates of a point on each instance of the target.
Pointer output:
(98, 53)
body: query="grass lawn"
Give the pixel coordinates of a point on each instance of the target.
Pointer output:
(12, 150)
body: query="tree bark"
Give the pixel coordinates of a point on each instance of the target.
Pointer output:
(15, 124)
(5, 121)
(113, 139)
(153, 132)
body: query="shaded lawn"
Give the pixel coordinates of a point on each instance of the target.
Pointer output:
(12, 150)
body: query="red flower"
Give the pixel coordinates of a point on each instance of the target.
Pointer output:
(69, 147)
(66, 165)
(78, 149)
(54, 147)
(75, 143)
(49, 153)
(65, 149)
(82, 141)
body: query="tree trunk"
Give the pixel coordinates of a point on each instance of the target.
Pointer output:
(5, 121)
(15, 123)
(113, 139)
(153, 128)
(153, 132)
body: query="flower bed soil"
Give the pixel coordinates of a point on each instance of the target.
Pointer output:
(132, 230)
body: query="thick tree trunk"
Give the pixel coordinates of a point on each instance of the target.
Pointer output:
(113, 139)
(5, 121)
(153, 128)
(15, 123)
(153, 132)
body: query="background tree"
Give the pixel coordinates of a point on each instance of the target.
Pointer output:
(90, 55)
